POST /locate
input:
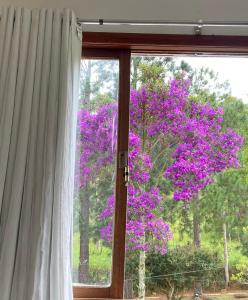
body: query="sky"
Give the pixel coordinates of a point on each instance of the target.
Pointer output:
(233, 69)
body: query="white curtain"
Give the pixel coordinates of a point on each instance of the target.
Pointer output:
(39, 73)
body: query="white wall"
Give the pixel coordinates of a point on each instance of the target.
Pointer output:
(186, 10)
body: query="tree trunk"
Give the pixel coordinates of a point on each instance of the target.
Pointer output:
(197, 245)
(128, 289)
(87, 84)
(198, 290)
(136, 61)
(226, 256)
(84, 238)
(170, 292)
(196, 230)
(142, 274)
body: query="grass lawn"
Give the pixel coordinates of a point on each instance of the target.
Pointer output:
(100, 256)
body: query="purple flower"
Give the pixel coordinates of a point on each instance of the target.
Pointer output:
(192, 148)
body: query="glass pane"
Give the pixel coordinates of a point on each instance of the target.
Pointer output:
(95, 172)
(187, 226)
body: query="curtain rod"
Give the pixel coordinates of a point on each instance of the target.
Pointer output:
(197, 25)
(162, 23)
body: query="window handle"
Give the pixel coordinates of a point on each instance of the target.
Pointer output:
(126, 175)
(123, 164)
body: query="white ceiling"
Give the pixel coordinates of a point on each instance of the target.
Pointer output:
(185, 10)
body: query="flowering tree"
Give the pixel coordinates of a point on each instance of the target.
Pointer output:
(171, 138)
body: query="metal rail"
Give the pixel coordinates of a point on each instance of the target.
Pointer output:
(196, 25)
(200, 23)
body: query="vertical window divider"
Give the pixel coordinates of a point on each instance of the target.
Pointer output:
(116, 289)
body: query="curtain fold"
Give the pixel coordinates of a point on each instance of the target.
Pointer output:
(40, 54)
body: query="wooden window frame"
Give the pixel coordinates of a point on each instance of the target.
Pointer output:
(115, 290)
(120, 46)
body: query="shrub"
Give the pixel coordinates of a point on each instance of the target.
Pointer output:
(177, 271)
(241, 272)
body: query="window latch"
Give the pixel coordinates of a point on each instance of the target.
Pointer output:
(123, 164)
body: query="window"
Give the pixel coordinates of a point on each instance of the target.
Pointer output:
(98, 264)
(110, 284)
(96, 174)
(186, 232)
